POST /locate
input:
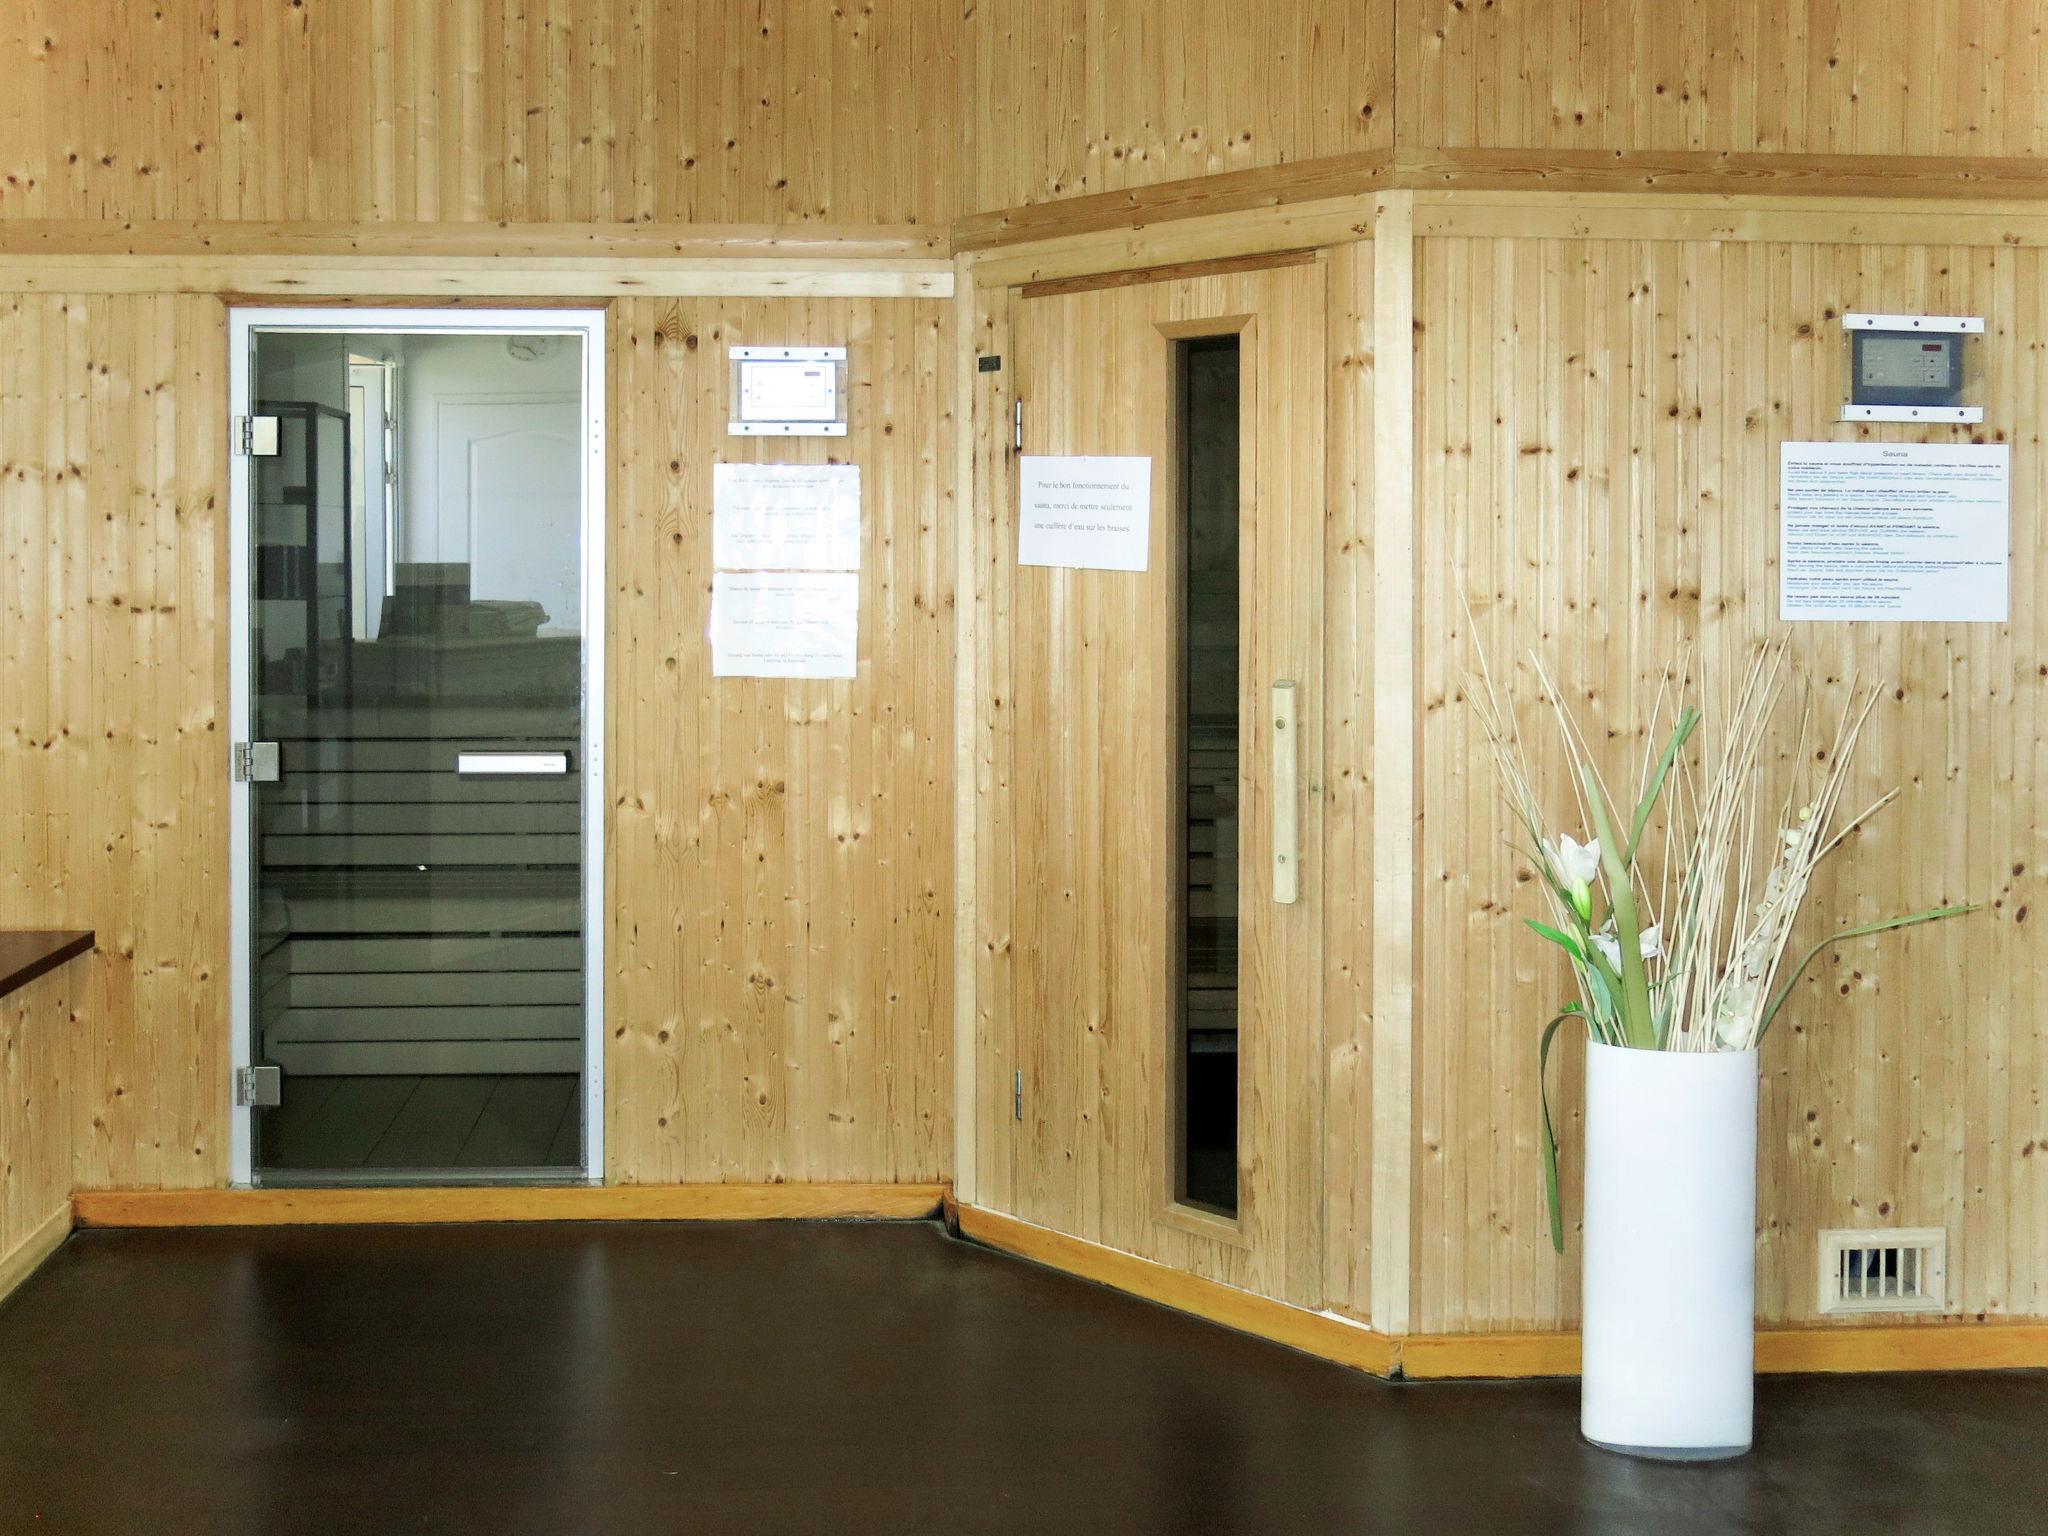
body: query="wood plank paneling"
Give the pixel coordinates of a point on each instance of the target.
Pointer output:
(113, 707)
(1063, 98)
(1878, 77)
(781, 851)
(1079, 818)
(1598, 429)
(37, 1024)
(475, 110)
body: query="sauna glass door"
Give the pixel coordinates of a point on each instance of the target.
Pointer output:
(416, 675)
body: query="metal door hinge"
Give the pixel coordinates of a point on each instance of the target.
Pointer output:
(1018, 419)
(259, 1087)
(256, 436)
(1017, 1096)
(254, 762)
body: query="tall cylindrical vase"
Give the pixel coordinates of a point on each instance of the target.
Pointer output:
(1670, 1252)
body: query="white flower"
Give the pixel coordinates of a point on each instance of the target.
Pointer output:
(1577, 863)
(1650, 942)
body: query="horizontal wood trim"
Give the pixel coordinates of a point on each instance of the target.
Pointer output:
(31, 1251)
(1314, 1333)
(1539, 215)
(1752, 172)
(1945, 1346)
(1996, 190)
(618, 1202)
(1209, 237)
(458, 241)
(1231, 192)
(1175, 272)
(472, 277)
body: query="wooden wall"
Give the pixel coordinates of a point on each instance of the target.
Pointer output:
(37, 1026)
(113, 783)
(804, 110)
(1597, 438)
(465, 110)
(1870, 77)
(781, 852)
(1060, 98)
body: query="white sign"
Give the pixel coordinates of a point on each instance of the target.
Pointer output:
(784, 623)
(1087, 513)
(1900, 531)
(785, 517)
(789, 391)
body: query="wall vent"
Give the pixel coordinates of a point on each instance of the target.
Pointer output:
(1883, 1269)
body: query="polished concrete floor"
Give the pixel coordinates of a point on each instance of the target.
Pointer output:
(846, 1378)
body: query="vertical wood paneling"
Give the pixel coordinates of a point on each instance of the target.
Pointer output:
(1076, 840)
(1598, 433)
(1877, 77)
(36, 1118)
(1065, 97)
(112, 754)
(780, 852)
(466, 110)
(1349, 551)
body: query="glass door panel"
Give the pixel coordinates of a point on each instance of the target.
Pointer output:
(417, 657)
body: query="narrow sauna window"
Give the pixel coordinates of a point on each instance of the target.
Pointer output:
(1206, 1055)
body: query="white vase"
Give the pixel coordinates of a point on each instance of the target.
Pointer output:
(1670, 1252)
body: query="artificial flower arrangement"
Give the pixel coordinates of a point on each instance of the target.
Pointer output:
(1692, 959)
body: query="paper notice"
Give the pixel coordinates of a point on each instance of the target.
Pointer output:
(1894, 531)
(784, 623)
(1087, 513)
(785, 517)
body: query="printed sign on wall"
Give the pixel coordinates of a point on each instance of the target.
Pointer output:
(1085, 513)
(784, 623)
(1894, 531)
(785, 517)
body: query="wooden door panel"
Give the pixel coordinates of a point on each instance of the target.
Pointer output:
(1087, 818)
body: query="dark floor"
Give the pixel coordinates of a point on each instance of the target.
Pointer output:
(846, 1378)
(451, 1121)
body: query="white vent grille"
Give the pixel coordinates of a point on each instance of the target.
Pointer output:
(1885, 1269)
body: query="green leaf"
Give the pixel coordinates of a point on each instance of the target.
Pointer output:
(1637, 1026)
(1688, 722)
(1931, 915)
(1560, 938)
(1552, 1199)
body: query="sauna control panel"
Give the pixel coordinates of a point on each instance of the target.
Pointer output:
(1912, 368)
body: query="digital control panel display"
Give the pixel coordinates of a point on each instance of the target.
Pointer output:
(1907, 368)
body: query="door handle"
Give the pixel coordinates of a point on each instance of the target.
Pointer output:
(1286, 799)
(503, 764)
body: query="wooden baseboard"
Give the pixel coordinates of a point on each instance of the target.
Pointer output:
(27, 1255)
(1948, 1345)
(1313, 1333)
(619, 1202)
(1935, 1346)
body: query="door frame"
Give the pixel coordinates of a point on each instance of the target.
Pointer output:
(589, 325)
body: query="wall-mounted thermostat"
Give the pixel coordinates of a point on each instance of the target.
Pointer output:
(788, 392)
(1913, 368)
